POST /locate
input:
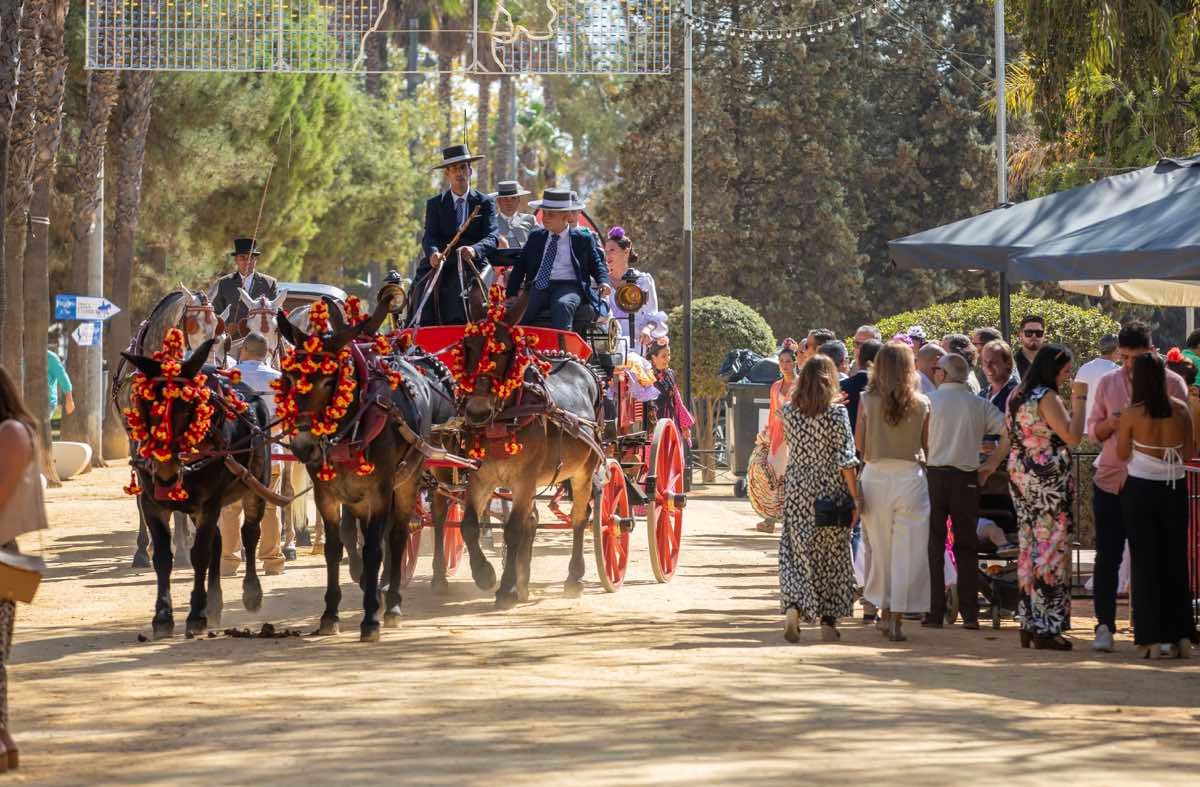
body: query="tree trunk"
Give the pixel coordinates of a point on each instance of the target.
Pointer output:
(506, 132)
(19, 187)
(484, 143)
(84, 424)
(11, 12)
(376, 61)
(706, 414)
(445, 96)
(137, 98)
(51, 87)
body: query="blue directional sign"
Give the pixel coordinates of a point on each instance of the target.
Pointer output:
(83, 307)
(87, 334)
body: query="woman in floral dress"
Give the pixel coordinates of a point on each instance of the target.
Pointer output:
(816, 576)
(1039, 468)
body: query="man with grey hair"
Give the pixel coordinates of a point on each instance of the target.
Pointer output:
(927, 359)
(958, 421)
(865, 333)
(257, 375)
(836, 352)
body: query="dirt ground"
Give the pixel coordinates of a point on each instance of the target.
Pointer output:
(683, 683)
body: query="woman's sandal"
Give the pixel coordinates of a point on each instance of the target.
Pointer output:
(829, 632)
(1052, 642)
(1026, 638)
(881, 622)
(894, 634)
(791, 625)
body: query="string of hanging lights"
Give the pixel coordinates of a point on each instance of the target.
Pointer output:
(808, 31)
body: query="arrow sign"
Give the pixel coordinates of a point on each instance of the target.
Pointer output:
(87, 334)
(83, 307)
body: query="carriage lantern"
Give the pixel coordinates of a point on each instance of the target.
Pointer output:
(631, 298)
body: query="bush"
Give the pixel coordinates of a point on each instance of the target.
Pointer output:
(719, 324)
(1077, 328)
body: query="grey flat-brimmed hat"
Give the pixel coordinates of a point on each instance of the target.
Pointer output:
(455, 154)
(557, 199)
(509, 188)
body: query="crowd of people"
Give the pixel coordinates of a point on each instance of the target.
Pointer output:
(881, 463)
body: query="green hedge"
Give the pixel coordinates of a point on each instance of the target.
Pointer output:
(719, 324)
(1079, 329)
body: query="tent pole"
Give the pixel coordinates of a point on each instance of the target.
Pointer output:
(1002, 159)
(687, 221)
(1189, 320)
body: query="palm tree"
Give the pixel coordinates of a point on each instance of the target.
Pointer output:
(377, 50)
(506, 133)
(51, 86)
(137, 99)
(11, 12)
(84, 424)
(444, 21)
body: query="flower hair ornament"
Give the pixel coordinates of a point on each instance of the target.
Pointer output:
(1175, 355)
(790, 344)
(616, 233)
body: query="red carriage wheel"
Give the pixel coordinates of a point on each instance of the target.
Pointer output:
(664, 484)
(418, 521)
(610, 510)
(452, 540)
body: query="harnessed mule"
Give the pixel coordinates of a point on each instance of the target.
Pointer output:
(260, 318)
(361, 422)
(536, 428)
(198, 448)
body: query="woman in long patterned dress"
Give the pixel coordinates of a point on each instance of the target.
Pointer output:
(1039, 469)
(816, 576)
(775, 456)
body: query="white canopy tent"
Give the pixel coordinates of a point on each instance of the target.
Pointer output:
(1149, 292)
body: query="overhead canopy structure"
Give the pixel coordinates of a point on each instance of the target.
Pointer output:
(1160, 240)
(988, 241)
(1150, 292)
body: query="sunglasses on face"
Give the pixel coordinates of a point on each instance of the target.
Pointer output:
(1031, 333)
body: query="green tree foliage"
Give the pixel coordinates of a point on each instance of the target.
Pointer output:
(1077, 328)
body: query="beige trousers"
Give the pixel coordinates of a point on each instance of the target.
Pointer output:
(269, 548)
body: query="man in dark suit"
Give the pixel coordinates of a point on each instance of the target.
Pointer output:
(855, 384)
(245, 256)
(559, 265)
(445, 214)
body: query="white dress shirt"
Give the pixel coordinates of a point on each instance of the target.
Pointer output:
(564, 268)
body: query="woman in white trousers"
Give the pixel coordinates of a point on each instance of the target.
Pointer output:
(892, 433)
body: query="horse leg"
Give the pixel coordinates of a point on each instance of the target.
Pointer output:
(197, 619)
(516, 530)
(372, 556)
(183, 524)
(403, 504)
(481, 569)
(581, 498)
(348, 532)
(141, 558)
(253, 508)
(216, 600)
(164, 618)
(330, 512)
(439, 508)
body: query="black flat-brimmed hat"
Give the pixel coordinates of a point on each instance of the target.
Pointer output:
(557, 199)
(455, 154)
(509, 188)
(245, 246)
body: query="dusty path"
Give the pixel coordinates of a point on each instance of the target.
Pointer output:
(683, 683)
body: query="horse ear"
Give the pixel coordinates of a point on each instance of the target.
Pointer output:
(290, 333)
(516, 309)
(336, 323)
(191, 296)
(475, 307)
(147, 366)
(197, 359)
(277, 304)
(247, 301)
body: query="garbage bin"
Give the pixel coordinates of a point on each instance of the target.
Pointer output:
(749, 406)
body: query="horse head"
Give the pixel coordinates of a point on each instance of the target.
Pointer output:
(318, 384)
(260, 314)
(487, 353)
(200, 320)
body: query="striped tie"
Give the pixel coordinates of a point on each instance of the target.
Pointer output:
(542, 280)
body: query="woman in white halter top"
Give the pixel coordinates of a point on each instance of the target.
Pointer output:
(1156, 437)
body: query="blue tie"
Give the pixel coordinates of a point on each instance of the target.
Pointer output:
(542, 280)
(460, 210)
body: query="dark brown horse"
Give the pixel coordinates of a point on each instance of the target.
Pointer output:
(370, 465)
(553, 417)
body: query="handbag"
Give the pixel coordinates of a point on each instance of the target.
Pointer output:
(835, 510)
(20, 575)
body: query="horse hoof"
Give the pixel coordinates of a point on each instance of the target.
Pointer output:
(303, 539)
(573, 588)
(328, 628)
(484, 576)
(506, 599)
(197, 626)
(164, 630)
(523, 595)
(252, 596)
(369, 633)
(141, 559)
(440, 587)
(391, 620)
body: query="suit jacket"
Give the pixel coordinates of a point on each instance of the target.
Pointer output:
(517, 231)
(227, 295)
(441, 224)
(853, 386)
(585, 258)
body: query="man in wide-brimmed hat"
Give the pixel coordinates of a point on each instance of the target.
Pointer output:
(515, 226)
(458, 207)
(245, 255)
(559, 265)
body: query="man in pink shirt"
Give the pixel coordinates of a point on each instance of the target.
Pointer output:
(1112, 395)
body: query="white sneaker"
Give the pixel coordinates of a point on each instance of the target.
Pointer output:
(1104, 639)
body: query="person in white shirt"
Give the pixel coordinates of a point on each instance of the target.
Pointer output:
(1093, 370)
(257, 375)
